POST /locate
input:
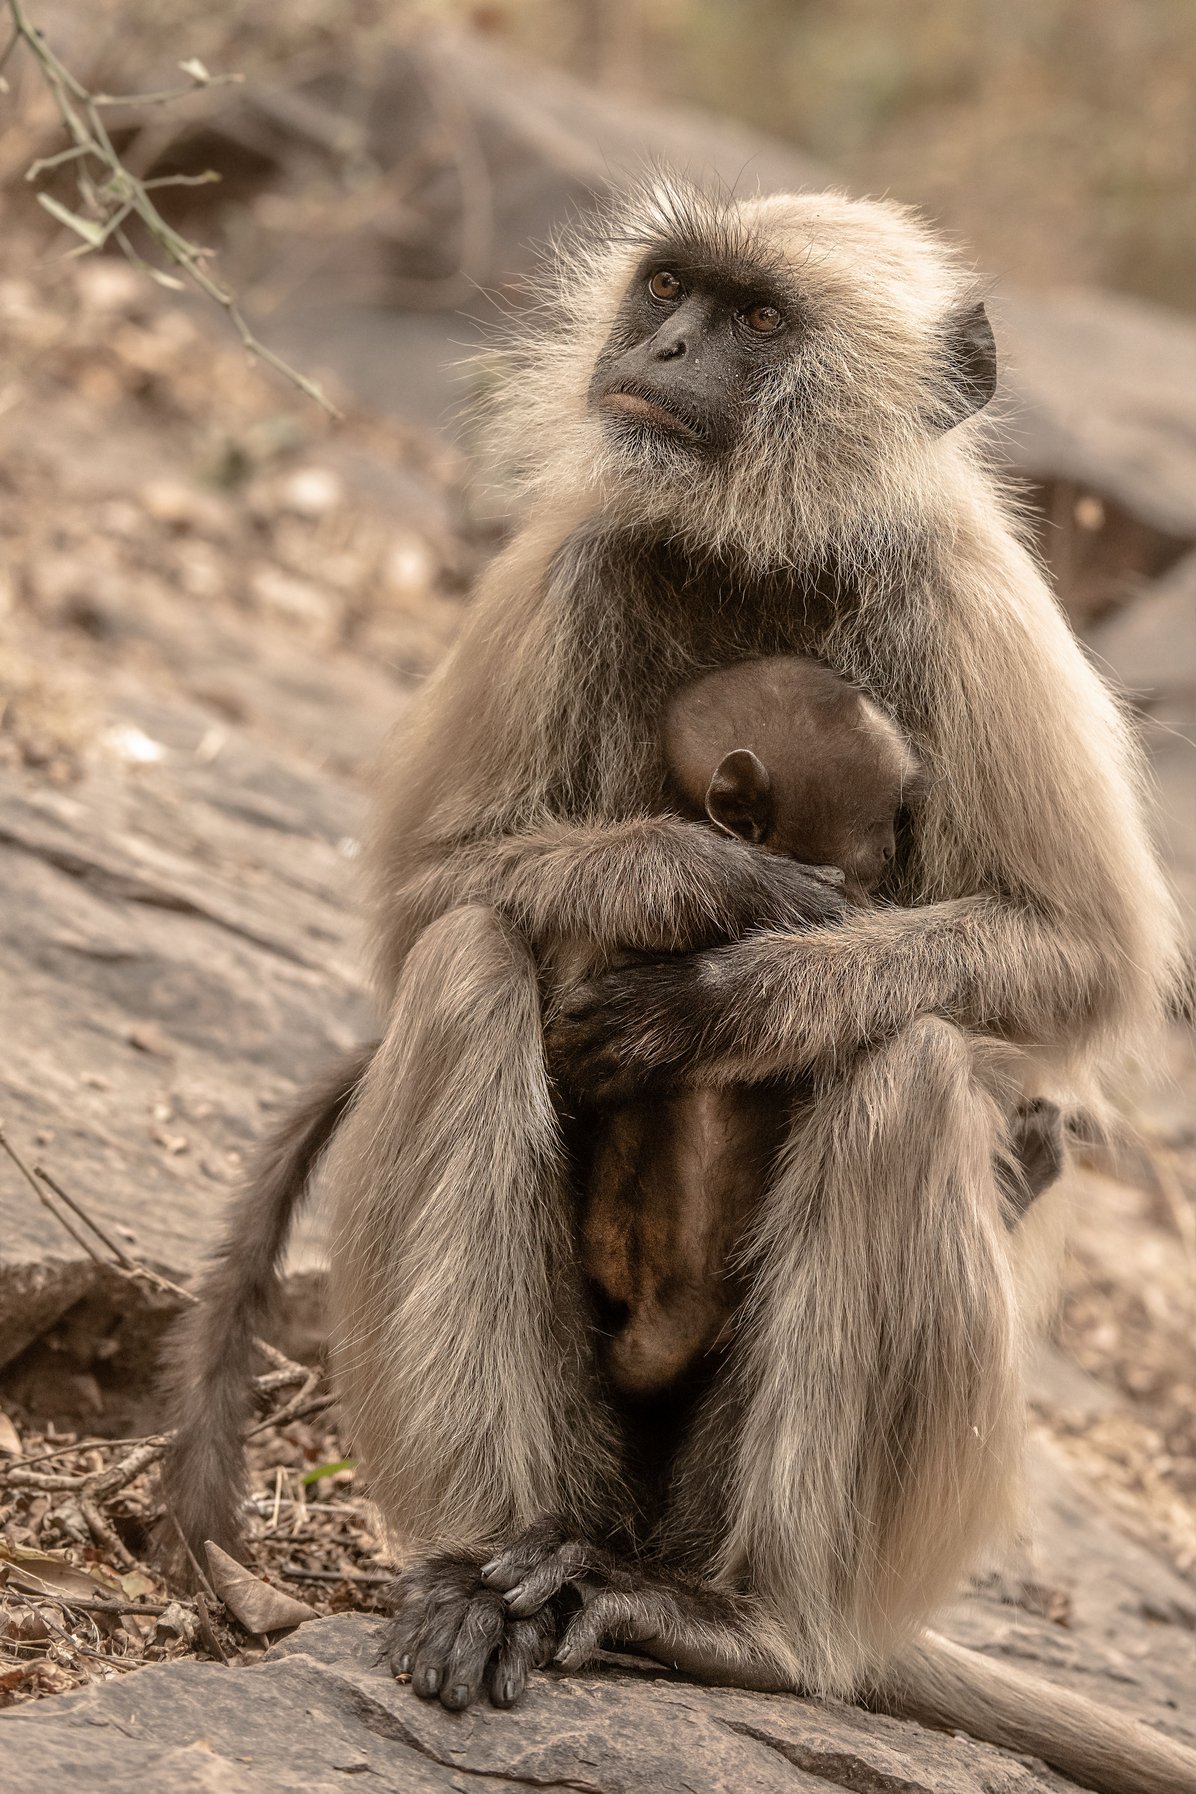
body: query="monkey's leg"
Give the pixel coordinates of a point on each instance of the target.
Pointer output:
(876, 1370)
(461, 1347)
(859, 1447)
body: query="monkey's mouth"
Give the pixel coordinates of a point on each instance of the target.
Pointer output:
(643, 407)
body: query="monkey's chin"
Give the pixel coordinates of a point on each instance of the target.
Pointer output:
(630, 414)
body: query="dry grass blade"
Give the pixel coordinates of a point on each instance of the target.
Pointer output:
(94, 1488)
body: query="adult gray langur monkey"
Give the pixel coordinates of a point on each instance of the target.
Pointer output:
(749, 428)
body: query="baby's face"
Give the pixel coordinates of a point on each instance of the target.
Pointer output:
(837, 811)
(860, 844)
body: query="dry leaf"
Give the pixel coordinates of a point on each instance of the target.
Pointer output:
(47, 1573)
(10, 1439)
(135, 1585)
(178, 1621)
(29, 1627)
(259, 1607)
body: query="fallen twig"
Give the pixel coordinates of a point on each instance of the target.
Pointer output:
(296, 1573)
(40, 1181)
(42, 1197)
(99, 1604)
(103, 1531)
(118, 1252)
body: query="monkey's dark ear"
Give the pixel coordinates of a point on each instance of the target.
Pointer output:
(739, 796)
(971, 363)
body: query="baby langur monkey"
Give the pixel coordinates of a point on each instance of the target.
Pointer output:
(786, 755)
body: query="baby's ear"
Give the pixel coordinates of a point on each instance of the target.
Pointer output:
(739, 796)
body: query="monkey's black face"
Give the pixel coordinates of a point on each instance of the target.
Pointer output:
(692, 345)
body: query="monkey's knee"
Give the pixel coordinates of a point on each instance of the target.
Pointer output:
(924, 1074)
(934, 1047)
(469, 971)
(465, 951)
(918, 1120)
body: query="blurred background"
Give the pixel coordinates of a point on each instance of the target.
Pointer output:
(214, 600)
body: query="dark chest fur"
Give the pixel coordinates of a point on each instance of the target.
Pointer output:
(640, 618)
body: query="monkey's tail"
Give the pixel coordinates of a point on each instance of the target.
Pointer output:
(942, 1684)
(210, 1350)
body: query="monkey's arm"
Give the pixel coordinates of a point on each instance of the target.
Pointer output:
(648, 884)
(779, 1002)
(1055, 928)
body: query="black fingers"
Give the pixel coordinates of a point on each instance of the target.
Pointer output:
(571, 1566)
(697, 1630)
(607, 1617)
(797, 895)
(534, 1569)
(455, 1635)
(1037, 1154)
(634, 1027)
(523, 1555)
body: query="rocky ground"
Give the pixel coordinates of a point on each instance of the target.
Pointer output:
(212, 607)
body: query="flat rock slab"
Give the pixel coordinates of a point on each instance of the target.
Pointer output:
(177, 950)
(317, 1711)
(1083, 1602)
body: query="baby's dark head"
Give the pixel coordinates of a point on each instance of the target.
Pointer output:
(784, 753)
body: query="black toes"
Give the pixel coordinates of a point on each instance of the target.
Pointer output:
(527, 1645)
(426, 1680)
(453, 1634)
(479, 1635)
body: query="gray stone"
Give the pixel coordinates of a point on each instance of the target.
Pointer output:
(317, 1710)
(177, 951)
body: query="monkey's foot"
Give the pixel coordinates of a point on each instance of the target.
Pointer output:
(703, 1631)
(453, 1635)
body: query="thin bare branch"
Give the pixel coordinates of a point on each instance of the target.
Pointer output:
(111, 192)
(76, 1208)
(61, 1219)
(166, 96)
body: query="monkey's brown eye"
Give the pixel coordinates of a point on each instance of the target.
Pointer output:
(664, 285)
(766, 320)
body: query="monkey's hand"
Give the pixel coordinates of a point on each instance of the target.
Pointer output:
(788, 1002)
(769, 891)
(652, 884)
(664, 1022)
(636, 1026)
